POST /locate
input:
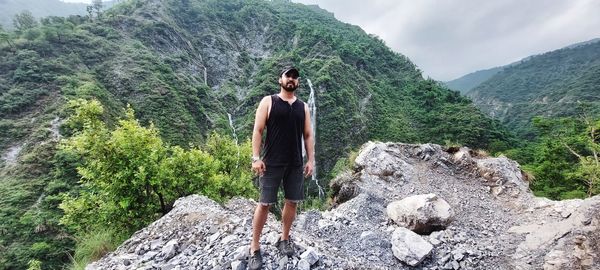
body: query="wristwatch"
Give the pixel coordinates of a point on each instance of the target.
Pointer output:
(255, 159)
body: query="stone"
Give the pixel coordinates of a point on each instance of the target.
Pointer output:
(421, 213)
(283, 262)
(272, 238)
(169, 250)
(155, 244)
(310, 255)
(303, 265)
(458, 255)
(214, 237)
(168, 266)
(409, 247)
(149, 256)
(228, 239)
(238, 265)
(241, 253)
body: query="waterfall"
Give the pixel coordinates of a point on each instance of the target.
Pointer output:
(235, 139)
(313, 124)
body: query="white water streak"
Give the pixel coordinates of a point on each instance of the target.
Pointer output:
(312, 107)
(235, 138)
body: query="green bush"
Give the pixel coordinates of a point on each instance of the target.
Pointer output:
(130, 177)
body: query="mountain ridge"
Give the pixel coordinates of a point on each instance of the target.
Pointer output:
(473, 79)
(550, 84)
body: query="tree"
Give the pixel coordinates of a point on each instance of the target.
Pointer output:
(5, 37)
(580, 138)
(130, 177)
(590, 163)
(97, 6)
(24, 21)
(90, 11)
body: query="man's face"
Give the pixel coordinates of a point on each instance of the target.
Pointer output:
(289, 81)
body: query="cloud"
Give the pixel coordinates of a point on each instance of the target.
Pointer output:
(448, 39)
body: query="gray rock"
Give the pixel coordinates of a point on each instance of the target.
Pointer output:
(458, 254)
(228, 239)
(283, 262)
(310, 255)
(409, 247)
(241, 253)
(168, 266)
(303, 265)
(272, 237)
(238, 265)
(169, 250)
(421, 213)
(155, 244)
(148, 256)
(214, 237)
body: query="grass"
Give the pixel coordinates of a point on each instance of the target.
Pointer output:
(93, 246)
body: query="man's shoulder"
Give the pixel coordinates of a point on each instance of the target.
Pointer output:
(266, 98)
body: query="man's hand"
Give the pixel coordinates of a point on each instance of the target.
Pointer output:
(308, 169)
(259, 168)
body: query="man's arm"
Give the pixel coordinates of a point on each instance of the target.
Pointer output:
(260, 121)
(309, 142)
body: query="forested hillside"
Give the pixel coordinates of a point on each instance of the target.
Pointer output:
(184, 66)
(467, 82)
(550, 85)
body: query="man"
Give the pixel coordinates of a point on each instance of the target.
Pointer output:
(287, 120)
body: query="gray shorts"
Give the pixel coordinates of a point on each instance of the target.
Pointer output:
(293, 183)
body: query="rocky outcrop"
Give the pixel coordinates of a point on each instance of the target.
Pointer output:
(496, 223)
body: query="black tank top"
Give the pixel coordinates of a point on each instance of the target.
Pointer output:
(285, 128)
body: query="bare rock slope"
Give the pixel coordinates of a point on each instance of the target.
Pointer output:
(496, 222)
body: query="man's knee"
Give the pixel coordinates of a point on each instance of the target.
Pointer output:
(264, 206)
(292, 202)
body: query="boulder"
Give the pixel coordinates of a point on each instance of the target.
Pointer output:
(422, 214)
(409, 247)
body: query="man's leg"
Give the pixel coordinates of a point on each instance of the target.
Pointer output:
(293, 185)
(258, 222)
(288, 216)
(269, 185)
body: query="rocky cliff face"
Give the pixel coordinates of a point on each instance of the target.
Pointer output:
(493, 221)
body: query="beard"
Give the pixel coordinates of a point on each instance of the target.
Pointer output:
(290, 87)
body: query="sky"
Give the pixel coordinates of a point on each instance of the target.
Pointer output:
(450, 38)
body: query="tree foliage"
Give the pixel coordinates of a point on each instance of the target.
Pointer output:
(24, 21)
(564, 159)
(130, 177)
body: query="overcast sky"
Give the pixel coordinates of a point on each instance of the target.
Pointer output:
(450, 38)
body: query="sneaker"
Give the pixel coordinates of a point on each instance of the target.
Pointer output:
(255, 262)
(285, 247)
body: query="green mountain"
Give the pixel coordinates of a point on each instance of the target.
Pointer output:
(184, 66)
(467, 82)
(552, 84)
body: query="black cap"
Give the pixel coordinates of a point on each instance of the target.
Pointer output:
(287, 69)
